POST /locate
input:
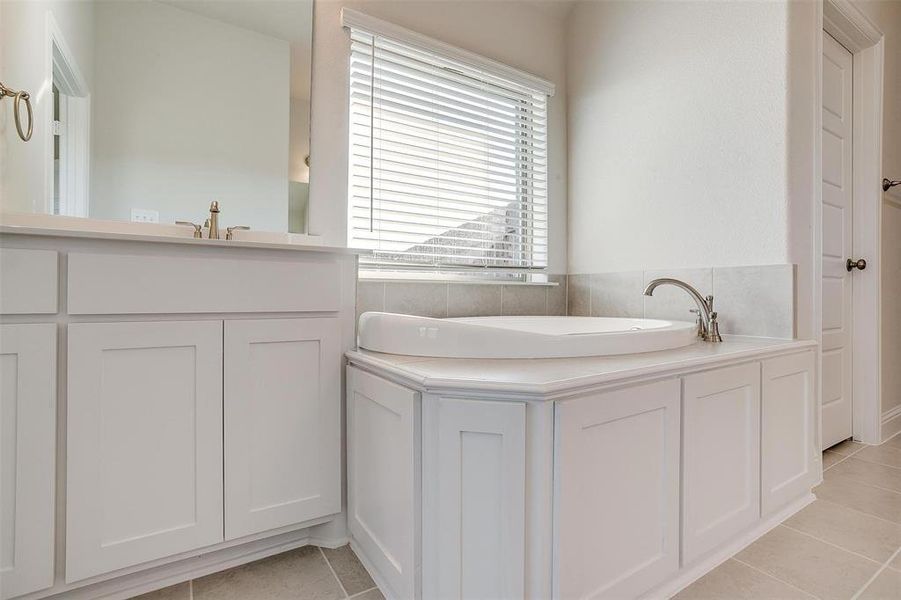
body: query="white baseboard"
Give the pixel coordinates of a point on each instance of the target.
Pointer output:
(373, 572)
(693, 572)
(891, 422)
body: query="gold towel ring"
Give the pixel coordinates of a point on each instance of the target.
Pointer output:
(18, 97)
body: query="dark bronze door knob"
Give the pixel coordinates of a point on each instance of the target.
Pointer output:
(857, 264)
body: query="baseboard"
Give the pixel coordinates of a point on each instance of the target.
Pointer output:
(891, 423)
(191, 566)
(373, 572)
(695, 571)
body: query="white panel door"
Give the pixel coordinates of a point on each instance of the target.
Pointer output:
(474, 505)
(144, 442)
(383, 478)
(836, 185)
(617, 504)
(720, 456)
(27, 452)
(788, 452)
(282, 423)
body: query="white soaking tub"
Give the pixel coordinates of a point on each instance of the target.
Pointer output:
(519, 337)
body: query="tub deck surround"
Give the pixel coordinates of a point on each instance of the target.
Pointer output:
(547, 378)
(625, 476)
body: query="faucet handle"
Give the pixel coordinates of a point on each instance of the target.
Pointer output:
(230, 230)
(214, 206)
(198, 229)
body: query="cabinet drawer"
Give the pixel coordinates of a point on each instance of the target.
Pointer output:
(107, 284)
(29, 283)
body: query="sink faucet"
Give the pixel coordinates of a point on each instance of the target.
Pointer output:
(708, 328)
(214, 221)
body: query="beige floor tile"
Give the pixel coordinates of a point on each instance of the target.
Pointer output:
(847, 447)
(830, 458)
(809, 564)
(878, 502)
(179, 591)
(301, 573)
(737, 581)
(869, 473)
(887, 586)
(883, 455)
(894, 441)
(852, 530)
(373, 594)
(896, 562)
(350, 571)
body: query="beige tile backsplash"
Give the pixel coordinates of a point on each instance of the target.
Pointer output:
(754, 300)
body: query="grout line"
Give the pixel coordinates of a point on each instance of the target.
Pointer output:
(878, 572)
(782, 581)
(358, 594)
(828, 543)
(190, 589)
(860, 512)
(335, 575)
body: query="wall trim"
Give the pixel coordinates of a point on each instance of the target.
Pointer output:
(891, 422)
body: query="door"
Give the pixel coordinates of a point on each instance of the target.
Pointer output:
(282, 423)
(27, 453)
(473, 505)
(837, 211)
(788, 452)
(144, 442)
(720, 457)
(617, 500)
(383, 478)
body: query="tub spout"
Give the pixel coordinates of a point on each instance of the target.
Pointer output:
(708, 328)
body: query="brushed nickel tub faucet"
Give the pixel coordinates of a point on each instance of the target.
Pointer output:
(708, 328)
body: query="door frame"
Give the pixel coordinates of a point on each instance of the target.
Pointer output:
(850, 27)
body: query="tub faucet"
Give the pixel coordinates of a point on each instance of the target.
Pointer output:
(213, 233)
(708, 328)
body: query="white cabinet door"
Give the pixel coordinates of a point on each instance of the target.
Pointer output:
(144, 442)
(789, 453)
(282, 423)
(383, 478)
(617, 506)
(27, 452)
(720, 456)
(473, 505)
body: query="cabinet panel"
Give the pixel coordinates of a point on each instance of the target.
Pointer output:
(788, 452)
(29, 281)
(144, 442)
(383, 478)
(617, 508)
(282, 422)
(721, 456)
(474, 499)
(27, 452)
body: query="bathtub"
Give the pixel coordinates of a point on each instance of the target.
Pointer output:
(519, 337)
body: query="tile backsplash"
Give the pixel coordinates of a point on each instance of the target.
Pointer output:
(753, 300)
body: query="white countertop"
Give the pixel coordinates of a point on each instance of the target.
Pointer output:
(73, 227)
(553, 376)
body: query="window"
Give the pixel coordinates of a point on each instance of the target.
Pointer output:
(448, 156)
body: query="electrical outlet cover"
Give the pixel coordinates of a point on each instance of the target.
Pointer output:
(145, 215)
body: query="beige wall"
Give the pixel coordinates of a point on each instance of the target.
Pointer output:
(514, 33)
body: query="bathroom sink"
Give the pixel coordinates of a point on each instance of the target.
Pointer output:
(520, 337)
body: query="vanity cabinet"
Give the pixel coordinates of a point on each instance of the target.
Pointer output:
(618, 491)
(789, 454)
(720, 456)
(282, 418)
(144, 453)
(27, 456)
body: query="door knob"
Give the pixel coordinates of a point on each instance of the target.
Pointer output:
(856, 264)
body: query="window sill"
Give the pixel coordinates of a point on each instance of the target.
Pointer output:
(377, 277)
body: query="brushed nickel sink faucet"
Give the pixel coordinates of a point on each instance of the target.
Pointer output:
(708, 328)
(212, 225)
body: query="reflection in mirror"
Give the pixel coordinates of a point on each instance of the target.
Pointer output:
(151, 109)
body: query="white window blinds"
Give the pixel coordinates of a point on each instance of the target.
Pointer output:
(448, 159)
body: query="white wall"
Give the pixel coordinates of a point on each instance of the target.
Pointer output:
(677, 135)
(177, 121)
(25, 64)
(511, 32)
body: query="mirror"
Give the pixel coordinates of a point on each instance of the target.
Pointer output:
(148, 110)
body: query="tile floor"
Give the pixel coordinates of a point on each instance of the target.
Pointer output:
(846, 545)
(309, 573)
